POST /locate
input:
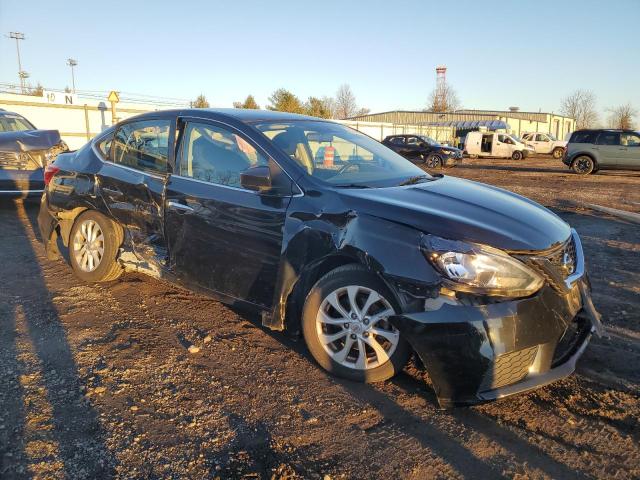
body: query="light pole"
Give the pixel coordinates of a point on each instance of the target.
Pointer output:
(21, 74)
(72, 63)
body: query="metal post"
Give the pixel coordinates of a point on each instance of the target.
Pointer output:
(22, 75)
(72, 63)
(86, 122)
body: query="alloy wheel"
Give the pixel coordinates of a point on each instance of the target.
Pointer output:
(88, 245)
(583, 165)
(353, 329)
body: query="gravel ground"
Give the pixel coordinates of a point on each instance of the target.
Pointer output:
(139, 379)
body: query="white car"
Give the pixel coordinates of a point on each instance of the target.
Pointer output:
(545, 143)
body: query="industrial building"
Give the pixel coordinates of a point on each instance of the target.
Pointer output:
(512, 120)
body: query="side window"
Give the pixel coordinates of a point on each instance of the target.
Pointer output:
(609, 138)
(397, 140)
(142, 145)
(527, 137)
(541, 138)
(412, 141)
(214, 154)
(104, 146)
(583, 137)
(630, 139)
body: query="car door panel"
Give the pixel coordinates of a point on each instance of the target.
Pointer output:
(224, 239)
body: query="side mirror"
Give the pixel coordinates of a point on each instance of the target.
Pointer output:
(256, 178)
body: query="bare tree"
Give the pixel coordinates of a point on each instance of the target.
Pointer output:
(622, 116)
(443, 101)
(200, 102)
(330, 104)
(345, 102)
(580, 105)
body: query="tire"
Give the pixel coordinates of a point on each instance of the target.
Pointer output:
(557, 153)
(583, 165)
(99, 264)
(517, 155)
(433, 161)
(384, 355)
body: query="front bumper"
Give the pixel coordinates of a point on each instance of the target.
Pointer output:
(478, 353)
(21, 183)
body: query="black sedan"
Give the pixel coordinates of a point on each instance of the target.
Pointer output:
(327, 233)
(24, 152)
(423, 149)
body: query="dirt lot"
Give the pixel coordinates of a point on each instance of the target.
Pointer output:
(97, 381)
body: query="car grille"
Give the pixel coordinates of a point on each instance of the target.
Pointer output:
(557, 265)
(26, 161)
(509, 368)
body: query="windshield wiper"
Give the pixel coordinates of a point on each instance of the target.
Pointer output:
(414, 180)
(352, 185)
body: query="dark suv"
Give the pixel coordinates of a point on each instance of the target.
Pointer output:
(423, 149)
(591, 150)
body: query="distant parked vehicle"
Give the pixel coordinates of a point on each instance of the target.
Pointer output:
(492, 144)
(423, 149)
(591, 150)
(545, 143)
(24, 152)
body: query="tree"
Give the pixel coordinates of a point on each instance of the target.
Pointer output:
(37, 91)
(580, 105)
(345, 102)
(318, 108)
(200, 102)
(622, 117)
(249, 102)
(283, 100)
(363, 111)
(445, 100)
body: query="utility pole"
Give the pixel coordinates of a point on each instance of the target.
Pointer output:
(21, 73)
(72, 63)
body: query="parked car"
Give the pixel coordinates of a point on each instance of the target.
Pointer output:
(545, 143)
(591, 150)
(423, 149)
(362, 253)
(492, 144)
(24, 152)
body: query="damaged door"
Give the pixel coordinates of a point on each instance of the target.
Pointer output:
(132, 184)
(221, 236)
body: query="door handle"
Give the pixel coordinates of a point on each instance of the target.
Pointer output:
(113, 191)
(179, 206)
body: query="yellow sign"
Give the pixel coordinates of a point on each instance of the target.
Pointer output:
(113, 97)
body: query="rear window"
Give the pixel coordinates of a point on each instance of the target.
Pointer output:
(583, 137)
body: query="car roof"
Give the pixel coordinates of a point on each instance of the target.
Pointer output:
(240, 114)
(621, 130)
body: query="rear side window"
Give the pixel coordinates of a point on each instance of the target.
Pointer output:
(397, 140)
(412, 141)
(609, 138)
(142, 145)
(583, 137)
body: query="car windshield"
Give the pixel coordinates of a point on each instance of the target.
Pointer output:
(552, 137)
(341, 156)
(429, 140)
(14, 123)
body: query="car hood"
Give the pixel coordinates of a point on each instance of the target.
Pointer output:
(459, 209)
(28, 140)
(446, 147)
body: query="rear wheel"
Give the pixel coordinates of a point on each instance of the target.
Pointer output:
(93, 246)
(433, 161)
(346, 328)
(583, 165)
(517, 155)
(558, 152)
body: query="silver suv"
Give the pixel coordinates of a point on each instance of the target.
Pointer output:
(591, 150)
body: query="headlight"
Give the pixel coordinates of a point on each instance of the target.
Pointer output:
(481, 269)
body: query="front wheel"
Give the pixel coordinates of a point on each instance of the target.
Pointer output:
(517, 155)
(93, 247)
(346, 328)
(433, 161)
(583, 165)
(557, 153)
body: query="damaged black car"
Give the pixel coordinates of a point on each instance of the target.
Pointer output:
(24, 153)
(327, 233)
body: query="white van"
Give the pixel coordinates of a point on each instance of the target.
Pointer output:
(493, 144)
(545, 143)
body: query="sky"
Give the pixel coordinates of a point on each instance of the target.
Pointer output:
(528, 54)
